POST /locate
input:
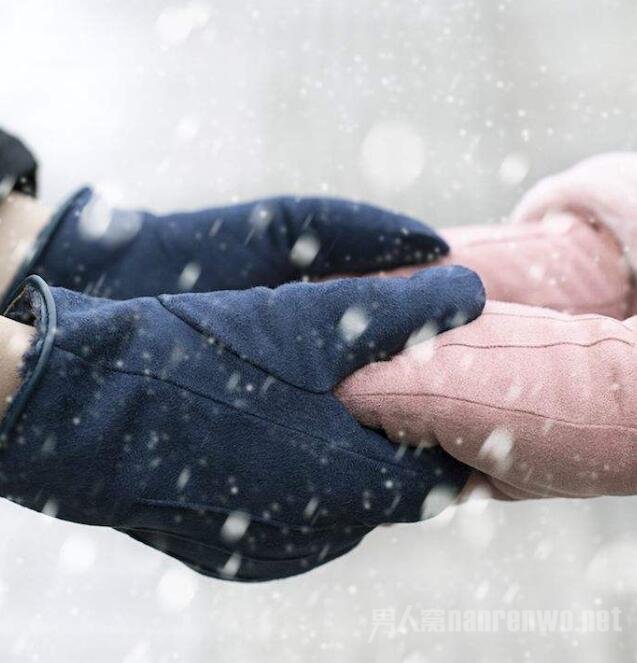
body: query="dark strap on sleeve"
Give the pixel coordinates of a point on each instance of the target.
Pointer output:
(18, 167)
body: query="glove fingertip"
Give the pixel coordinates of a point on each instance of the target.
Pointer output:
(459, 294)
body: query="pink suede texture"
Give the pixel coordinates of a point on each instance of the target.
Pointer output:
(543, 401)
(561, 262)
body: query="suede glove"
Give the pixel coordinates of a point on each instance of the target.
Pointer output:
(543, 403)
(205, 426)
(18, 167)
(122, 254)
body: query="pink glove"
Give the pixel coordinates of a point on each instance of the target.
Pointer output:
(572, 245)
(561, 262)
(545, 403)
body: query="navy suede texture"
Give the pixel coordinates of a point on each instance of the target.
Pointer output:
(205, 425)
(122, 254)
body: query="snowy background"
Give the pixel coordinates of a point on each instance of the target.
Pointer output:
(444, 109)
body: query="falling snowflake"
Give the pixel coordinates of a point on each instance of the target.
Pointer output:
(235, 526)
(189, 276)
(497, 448)
(176, 589)
(305, 250)
(353, 323)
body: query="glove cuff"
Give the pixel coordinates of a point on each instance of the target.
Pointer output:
(30, 303)
(601, 189)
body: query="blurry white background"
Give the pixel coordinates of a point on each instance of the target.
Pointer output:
(441, 108)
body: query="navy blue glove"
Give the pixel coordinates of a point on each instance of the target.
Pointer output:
(124, 254)
(205, 425)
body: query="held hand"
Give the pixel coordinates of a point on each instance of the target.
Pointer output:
(542, 402)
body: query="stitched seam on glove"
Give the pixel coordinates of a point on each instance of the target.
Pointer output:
(232, 351)
(557, 316)
(361, 397)
(276, 524)
(542, 346)
(283, 561)
(325, 441)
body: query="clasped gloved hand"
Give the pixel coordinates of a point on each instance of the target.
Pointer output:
(205, 425)
(121, 254)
